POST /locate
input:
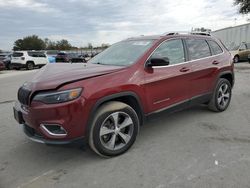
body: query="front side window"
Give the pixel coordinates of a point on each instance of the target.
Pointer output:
(216, 49)
(41, 55)
(197, 48)
(173, 50)
(123, 53)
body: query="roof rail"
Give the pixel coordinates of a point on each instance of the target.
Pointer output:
(187, 33)
(200, 33)
(176, 33)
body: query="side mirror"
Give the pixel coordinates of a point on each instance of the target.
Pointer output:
(158, 61)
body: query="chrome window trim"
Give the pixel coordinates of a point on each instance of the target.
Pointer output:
(185, 62)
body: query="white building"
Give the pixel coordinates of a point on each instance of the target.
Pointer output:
(233, 36)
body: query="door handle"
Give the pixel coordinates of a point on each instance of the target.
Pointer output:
(184, 69)
(215, 62)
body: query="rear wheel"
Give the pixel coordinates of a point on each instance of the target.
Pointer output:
(221, 97)
(30, 65)
(114, 129)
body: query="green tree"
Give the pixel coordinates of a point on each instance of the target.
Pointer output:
(63, 45)
(51, 45)
(244, 6)
(29, 43)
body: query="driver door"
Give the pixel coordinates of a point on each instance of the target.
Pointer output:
(168, 85)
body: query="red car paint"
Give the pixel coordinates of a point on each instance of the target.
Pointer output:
(155, 88)
(2, 66)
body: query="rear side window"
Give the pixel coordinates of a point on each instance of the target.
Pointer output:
(61, 54)
(33, 54)
(17, 54)
(173, 50)
(198, 48)
(36, 54)
(216, 49)
(41, 55)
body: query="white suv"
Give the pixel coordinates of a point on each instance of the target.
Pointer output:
(28, 59)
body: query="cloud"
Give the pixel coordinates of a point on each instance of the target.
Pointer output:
(98, 21)
(26, 4)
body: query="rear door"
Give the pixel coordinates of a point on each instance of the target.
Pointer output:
(42, 58)
(168, 85)
(17, 57)
(203, 67)
(33, 56)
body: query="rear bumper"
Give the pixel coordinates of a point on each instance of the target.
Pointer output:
(36, 137)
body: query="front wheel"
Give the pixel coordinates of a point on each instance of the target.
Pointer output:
(114, 129)
(222, 96)
(236, 59)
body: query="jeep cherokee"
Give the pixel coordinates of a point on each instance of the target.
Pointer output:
(106, 100)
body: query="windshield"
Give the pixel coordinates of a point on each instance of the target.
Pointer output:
(122, 53)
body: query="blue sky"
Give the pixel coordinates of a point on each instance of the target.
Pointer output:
(108, 21)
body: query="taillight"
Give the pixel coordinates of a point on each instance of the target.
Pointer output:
(22, 58)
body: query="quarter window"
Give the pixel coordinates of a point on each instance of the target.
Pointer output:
(172, 49)
(216, 49)
(198, 49)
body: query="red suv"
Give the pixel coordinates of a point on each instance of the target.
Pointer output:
(106, 100)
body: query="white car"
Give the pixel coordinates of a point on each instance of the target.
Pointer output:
(28, 59)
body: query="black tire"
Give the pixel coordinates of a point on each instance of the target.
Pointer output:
(7, 66)
(10, 67)
(30, 65)
(40, 66)
(104, 114)
(216, 103)
(236, 59)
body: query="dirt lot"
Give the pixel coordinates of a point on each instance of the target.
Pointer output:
(191, 148)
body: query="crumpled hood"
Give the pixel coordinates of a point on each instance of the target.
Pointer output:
(53, 75)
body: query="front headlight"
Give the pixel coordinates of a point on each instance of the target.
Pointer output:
(58, 96)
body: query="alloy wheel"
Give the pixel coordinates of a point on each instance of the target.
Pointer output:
(223, 95)
(116, 131)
